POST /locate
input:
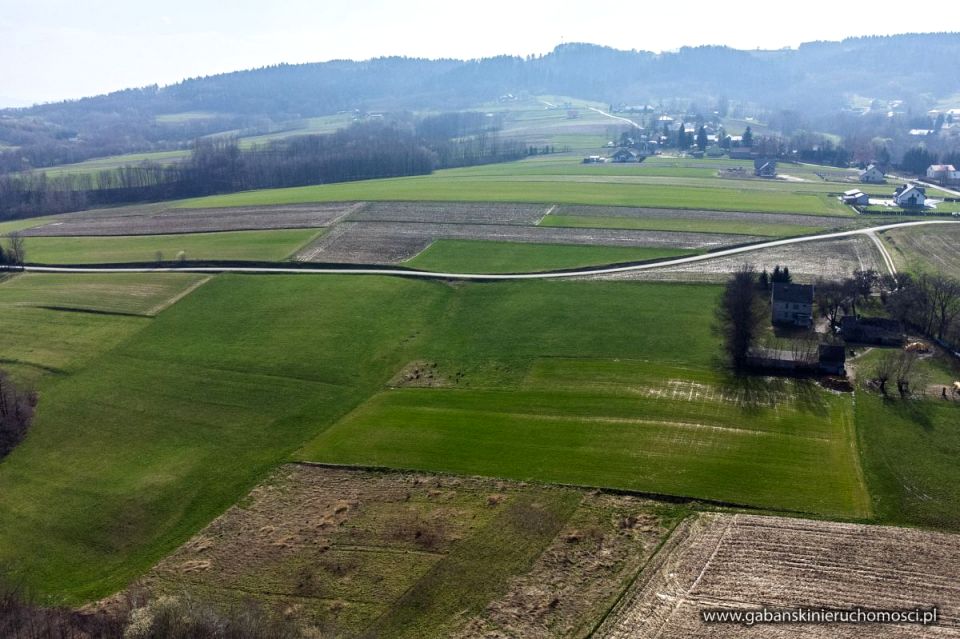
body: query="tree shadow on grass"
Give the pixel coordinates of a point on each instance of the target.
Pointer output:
(753, 393)
(757, 392)
(915, 411)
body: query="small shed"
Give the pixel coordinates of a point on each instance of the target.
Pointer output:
(764, 168)
(856, 197)
(832, 359)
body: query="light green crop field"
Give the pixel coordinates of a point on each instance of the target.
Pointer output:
(116, 162)
(163, 428)
(910, 450)
(53, 324)
(451, 186)
(480, 256)
(681, 224)
(635, 430)
(162, 433)
(274, 245)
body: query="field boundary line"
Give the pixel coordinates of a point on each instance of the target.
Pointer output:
(347, 269)
(683, 598)
(162, 306)
(658, 557)
(652, 496)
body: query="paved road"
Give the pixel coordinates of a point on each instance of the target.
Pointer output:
(346, 269)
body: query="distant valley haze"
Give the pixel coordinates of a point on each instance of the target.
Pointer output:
(58, 49)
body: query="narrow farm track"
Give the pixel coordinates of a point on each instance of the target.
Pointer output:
(601, 270)
(887, 259)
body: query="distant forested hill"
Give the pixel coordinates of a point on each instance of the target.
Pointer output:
(817, 78)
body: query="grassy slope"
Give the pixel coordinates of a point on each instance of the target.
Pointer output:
(478, 256)
(514, 420)
(660, 182)
(37, 341)
(134, 454)
(236, 245)
(910, 451)
(155, 437)
(795, 455)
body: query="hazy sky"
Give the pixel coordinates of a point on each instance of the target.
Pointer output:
(55, 49)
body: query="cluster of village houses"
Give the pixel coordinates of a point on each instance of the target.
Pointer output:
(907, 196)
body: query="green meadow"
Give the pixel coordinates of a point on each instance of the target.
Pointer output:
(602, 190)
(144, 437)
(273, 245)
(481, 256)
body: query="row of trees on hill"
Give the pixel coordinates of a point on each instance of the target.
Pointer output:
(219, 165)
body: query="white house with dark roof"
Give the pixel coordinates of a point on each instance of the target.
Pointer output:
(792, 304)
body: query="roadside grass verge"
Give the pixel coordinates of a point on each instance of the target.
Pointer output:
(479, 256)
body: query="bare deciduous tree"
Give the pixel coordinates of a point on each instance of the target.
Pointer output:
(740, 315)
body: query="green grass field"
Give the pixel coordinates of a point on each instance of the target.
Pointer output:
(274, 245)
(681, 224)
(910, 451)
(479, 256)
(635, 430)
(164, 427)
(54, 324)
(449, 186)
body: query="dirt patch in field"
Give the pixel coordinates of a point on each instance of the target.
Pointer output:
(386, 243)
(591, 561)
(154, 220)
(422, 374)
(746, 562)
(450, 212)
(722, 216)
(808, 261)
(335, 549)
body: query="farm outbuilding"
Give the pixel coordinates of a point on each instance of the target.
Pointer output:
(856, 197)
(764, 168)
(872, 330)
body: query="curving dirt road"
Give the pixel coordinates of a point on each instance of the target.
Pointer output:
(348, 270)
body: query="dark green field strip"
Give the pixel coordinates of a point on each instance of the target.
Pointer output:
(482, 256)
